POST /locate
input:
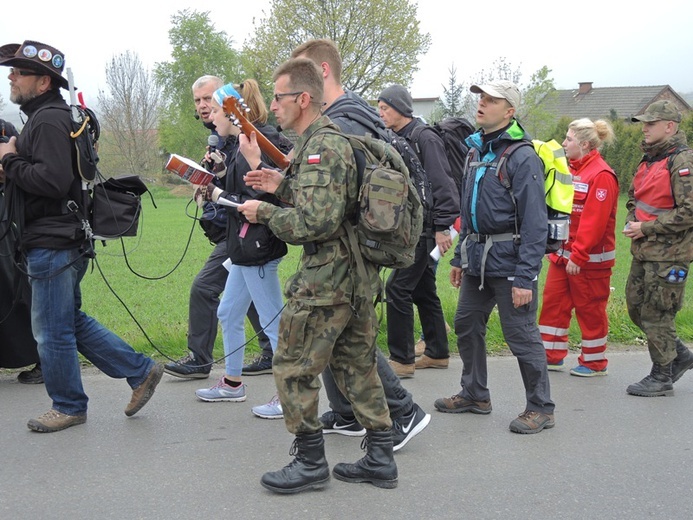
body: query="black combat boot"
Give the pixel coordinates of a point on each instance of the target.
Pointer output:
(377, 467)
(658, 383)
(683, 361)
(308, 470)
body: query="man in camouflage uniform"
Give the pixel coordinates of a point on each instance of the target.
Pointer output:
(328, 318)
(660, 225)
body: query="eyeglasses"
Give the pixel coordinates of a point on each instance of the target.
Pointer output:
(17, 72)
(278, 97)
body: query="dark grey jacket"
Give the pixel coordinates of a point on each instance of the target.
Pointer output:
(487, 209)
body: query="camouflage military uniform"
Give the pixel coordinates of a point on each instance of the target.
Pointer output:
(652, 299)
(328, 319)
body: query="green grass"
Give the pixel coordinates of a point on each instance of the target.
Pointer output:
(161, 306)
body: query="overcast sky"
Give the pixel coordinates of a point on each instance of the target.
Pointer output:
(586, 40)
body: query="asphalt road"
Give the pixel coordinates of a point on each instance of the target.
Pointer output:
(610, 456)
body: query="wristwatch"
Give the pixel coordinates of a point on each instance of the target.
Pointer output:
(446, 232)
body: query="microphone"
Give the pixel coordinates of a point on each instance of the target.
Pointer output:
(196, 116)
(222, 201)
(213, 142)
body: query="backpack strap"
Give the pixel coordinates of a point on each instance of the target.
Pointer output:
(415, 137)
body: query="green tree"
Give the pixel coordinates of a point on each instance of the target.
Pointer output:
(687, 127)
(534, 117)
(452, 103)
(624, 154)
(198, 49)
(379, 40)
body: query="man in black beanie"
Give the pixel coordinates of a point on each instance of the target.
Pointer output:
(417, 284)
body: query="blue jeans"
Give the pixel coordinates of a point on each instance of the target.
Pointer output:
(62, 330)
(258, 284)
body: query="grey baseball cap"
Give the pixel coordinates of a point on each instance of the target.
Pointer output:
(502, 89)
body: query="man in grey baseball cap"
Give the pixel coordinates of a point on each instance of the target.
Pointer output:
(502, 89)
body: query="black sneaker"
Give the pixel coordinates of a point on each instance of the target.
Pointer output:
(332, 422)
(260, 365)
(31, 377)
(409, 426)
(188, 367)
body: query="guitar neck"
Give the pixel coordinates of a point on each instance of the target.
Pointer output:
(266, 146)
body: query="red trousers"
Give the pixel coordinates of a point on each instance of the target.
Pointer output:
(587, 293)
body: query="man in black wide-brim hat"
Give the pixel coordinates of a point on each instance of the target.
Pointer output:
(43, 187)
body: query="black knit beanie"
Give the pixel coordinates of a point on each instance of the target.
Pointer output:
(398, 98)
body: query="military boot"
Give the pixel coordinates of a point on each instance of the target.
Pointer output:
(377, 467)
(308, 470)
(683, 361)
(658, 383)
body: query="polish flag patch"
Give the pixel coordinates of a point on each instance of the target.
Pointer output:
(314, 159)
(601, 194)
(683, 172)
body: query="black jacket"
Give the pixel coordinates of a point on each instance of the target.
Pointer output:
(41, 176)
(251, 244)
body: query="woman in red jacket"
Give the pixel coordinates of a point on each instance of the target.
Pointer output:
(580, 273)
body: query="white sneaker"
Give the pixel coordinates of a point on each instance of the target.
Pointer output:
(221, 392)
(271, 410)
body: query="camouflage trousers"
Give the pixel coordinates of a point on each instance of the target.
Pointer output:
(653, 302)
(312, 337)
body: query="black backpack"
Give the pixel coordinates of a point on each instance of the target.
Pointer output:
(453, 131)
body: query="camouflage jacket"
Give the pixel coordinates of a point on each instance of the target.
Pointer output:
(320, 190)
(670, 236)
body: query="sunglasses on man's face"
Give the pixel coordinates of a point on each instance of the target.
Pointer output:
(19, 72)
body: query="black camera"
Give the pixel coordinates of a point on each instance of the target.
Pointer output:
(4, 139)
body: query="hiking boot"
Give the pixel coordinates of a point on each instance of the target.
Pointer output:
(31, 377)
(188, 367)
(429, 362)
(420, 347)
(458, 404)
(54, 421)
(308, 470)
(271, 410)
(377, 467)
(332, 422)
(556, 367)
(260, 365)
(583, 371)
(401, 370)
(143, 393)
(530, 421)
(222, 392)
(657, 383)
(682, 363)
(408, 426)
